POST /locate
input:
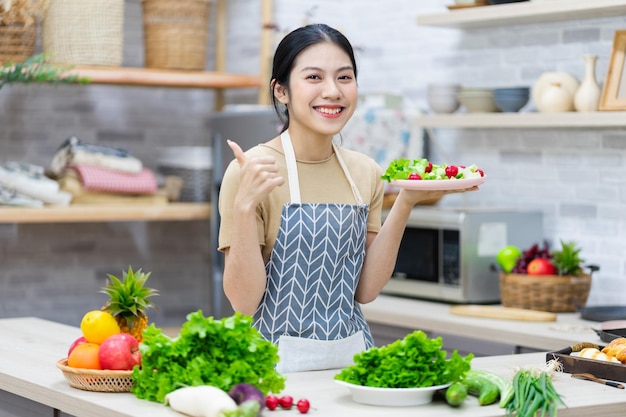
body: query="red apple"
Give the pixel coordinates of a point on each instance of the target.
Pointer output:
(76, 342)
(540, 266)
(119, 352)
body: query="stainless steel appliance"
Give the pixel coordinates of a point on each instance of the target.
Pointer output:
(247, 128)
(448, 254)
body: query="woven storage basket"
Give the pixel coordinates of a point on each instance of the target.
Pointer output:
(553, 293)
(84, 32)
(175, 33)
(17, 42)
(96, 380)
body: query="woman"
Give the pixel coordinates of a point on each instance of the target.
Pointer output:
(314, 208)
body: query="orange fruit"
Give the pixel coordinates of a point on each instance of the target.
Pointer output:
(98, 325)
(85, 356)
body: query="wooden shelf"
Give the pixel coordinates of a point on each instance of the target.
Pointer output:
(150, 77)
(524, 120)
(524, 13)
(88, 213)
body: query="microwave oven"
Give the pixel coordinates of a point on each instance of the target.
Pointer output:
(449, 254)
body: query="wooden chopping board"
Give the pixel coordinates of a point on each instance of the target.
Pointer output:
(504, 313)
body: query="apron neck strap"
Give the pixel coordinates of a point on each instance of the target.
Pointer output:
(292, 170)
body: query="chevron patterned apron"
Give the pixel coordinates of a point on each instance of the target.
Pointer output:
(308, 308)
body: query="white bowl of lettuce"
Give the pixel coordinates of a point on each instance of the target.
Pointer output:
(406, 372)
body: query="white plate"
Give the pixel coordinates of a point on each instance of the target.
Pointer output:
(391, 397)
(435, 185)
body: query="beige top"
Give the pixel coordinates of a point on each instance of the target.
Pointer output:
(320, 182)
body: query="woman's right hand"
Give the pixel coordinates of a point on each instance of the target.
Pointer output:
(258, 177)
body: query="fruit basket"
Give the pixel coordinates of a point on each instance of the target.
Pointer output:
(96, 380)
(539, 279)
(553, 293)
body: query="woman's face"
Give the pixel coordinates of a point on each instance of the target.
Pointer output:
(323, 92)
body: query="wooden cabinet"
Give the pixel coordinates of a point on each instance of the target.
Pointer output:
(538, 11)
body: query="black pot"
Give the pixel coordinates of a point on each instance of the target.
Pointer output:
(603, 313)
(608, 335)
(492, 2)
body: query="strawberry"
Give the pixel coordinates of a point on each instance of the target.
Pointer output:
(415, 176)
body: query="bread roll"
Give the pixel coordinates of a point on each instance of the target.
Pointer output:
(617, 348)
(593, 353)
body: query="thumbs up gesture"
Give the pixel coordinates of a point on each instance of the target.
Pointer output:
(258, 176)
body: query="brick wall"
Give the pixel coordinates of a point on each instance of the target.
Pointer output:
(55, 270)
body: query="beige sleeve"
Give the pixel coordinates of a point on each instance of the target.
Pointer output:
(228, 190)
(374, 220)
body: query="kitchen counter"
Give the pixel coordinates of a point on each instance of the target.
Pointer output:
(30, 348)
(412, 314)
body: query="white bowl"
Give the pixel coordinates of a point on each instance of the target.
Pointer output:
(443, 103)
(478, 103)
(443, 88)
(392, 397)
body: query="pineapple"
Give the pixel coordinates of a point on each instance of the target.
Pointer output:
(567, 261)
(128, 301)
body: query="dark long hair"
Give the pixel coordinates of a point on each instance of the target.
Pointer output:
(288, 50)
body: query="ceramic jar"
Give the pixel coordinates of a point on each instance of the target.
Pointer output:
(588, 94)
(556, 99)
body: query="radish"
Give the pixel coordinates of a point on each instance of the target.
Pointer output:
(247, 392)
(200, 401)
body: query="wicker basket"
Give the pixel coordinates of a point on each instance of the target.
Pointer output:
(175, 33)
(80, 32)
(553, 293)
(17, 42)
(96, 380)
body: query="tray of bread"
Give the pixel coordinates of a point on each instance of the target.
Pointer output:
(607, 362)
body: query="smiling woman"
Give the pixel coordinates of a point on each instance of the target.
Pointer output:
(285, 202)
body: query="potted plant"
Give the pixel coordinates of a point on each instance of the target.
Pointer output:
(36, 70)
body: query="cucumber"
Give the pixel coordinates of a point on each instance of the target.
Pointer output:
(486, 391)
(504, 386)
(456, 394)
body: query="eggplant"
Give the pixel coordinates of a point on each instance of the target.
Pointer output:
(247, 392)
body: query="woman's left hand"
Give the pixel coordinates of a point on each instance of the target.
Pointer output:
(413, 197)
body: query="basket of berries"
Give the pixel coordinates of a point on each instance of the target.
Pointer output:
(540, 279)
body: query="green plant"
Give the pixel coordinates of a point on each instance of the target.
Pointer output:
(36, 70)
(568, 261)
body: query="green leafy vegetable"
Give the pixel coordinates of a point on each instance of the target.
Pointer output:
(413, 362)
(402, 168)
(221, 353)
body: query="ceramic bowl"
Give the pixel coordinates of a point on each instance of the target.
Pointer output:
(391, 397)
(443, 89)
(511, 99)
(443, 103)
(478, 101)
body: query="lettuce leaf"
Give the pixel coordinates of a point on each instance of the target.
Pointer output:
(413, 362)
(221, 353)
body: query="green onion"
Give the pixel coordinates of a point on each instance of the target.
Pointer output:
(532, 393)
